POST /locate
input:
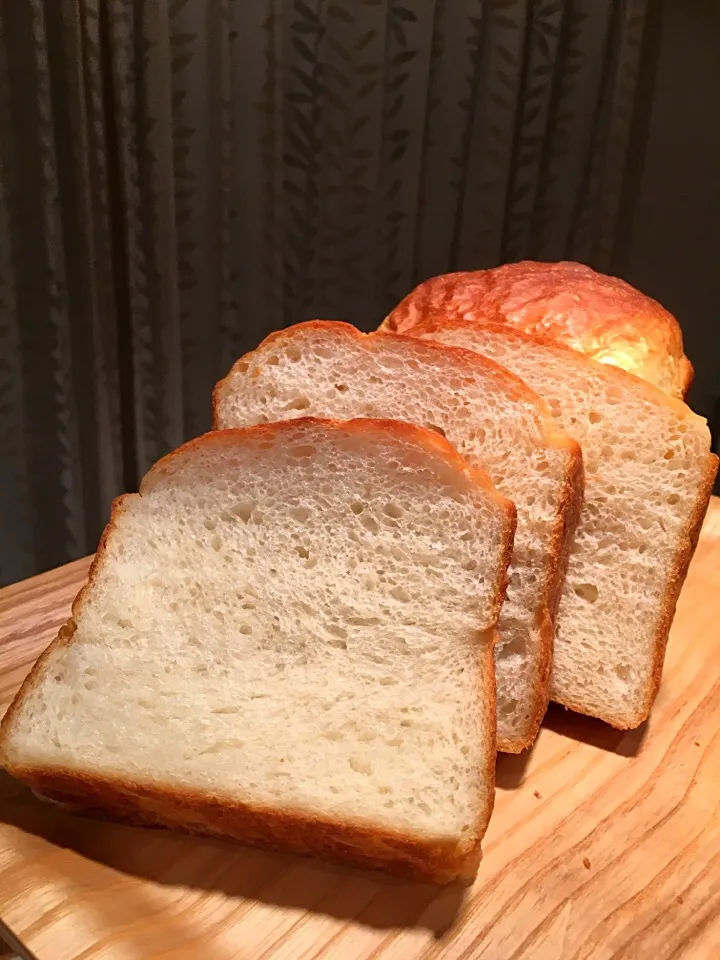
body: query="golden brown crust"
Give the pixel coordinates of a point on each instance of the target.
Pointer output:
(516, 390)
(689, 536)
(154, 805)
(432, 442)
(505, 380)
(601, 316)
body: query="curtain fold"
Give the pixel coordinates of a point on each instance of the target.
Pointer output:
(180, 177)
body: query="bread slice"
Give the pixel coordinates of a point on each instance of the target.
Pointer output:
(330, 369)
(601, 316)
(648, 479)
(286, 638)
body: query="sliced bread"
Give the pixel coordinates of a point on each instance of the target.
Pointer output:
(648, 479)
(329, 369)
(286, 638)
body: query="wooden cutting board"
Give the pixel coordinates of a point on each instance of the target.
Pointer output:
(602, 845)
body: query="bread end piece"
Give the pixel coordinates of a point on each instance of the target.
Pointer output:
(598, 315)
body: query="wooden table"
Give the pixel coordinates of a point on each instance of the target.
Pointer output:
(603, 844)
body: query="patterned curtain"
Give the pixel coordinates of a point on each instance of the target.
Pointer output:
(179, 177)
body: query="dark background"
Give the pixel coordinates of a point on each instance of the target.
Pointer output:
(179, 178)
(671, 248)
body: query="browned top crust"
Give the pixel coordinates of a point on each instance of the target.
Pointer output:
(601, 316)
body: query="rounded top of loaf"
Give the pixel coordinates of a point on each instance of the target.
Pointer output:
(601, 316)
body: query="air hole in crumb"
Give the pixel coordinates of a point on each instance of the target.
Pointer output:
(243, 510)
(436, 429)
(370, 524)
(299, 403)
(587, 591)
(594, 416)
(341, 387)
(245, 629)
(393, 510)
(300, 513)
(357, 507)
(303, 450)
(302, 552)
(622, 672)
(361, 766)
(673, 499)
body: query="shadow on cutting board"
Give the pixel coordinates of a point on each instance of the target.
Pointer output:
(215, 866)
(511, 769)
(576, 726)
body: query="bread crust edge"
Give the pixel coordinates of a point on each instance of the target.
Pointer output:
(152, 805)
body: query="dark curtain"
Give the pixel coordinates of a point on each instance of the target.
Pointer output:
(179, 177)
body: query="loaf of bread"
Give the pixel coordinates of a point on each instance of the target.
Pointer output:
(328, 369)
(648, 479)
(601, 316)
(286, 638)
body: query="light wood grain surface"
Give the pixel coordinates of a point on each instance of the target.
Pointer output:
(602, 845)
